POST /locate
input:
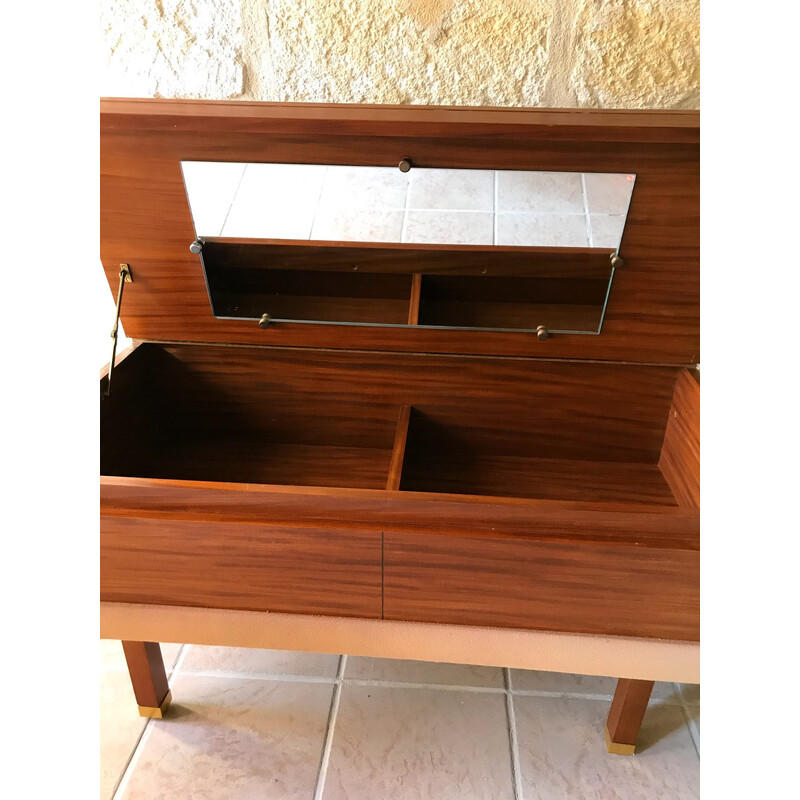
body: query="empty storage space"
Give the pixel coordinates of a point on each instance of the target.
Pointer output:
(517, 428)
(228, 414)
(505, 452)
(513, 302)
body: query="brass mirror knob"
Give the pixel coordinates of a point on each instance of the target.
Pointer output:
(541, 333)
(616, 261)
(196, 246)
(404, 165)
(264, 321)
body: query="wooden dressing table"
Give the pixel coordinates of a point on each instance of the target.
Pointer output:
(401, 450)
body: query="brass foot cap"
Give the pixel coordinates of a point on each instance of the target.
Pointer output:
(617, 749)
(157, 712)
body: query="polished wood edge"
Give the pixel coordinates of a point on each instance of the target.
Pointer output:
(399, 449)
(491, 115)
(600, 255)
(615, 748)
(156, 713)
(147, 484)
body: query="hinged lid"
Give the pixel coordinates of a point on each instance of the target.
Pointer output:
(510, 300)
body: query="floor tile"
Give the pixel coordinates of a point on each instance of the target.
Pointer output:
(608, 193)
(524, 680)
(357, 224)
(266, 662)
(607, 230)
(453, 189)
(113, 657)
(228, 738)
(399, 744)
(449, 227)
(542, 230)
(691, 693)
(364, 187)
(563, 754)
(534, 680)
(426, 672)
(275, 201)
(540, 192)
(120, 727)
(211, 187)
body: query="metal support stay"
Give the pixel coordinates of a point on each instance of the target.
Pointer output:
(125, 276)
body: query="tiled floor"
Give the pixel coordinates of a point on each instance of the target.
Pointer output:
(382, 204)
(270, 724)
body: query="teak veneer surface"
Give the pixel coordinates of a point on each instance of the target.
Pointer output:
(246, 567)
(653, 309)
(680, 455)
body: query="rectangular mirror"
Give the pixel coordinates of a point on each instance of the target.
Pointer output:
(441, 248)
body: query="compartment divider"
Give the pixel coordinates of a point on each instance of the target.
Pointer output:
(399, 449)
(413, 309)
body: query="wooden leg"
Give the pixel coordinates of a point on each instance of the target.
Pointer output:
(149, 678)
(626, 715)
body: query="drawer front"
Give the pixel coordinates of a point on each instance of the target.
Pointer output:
(240, 566)
(582, 587)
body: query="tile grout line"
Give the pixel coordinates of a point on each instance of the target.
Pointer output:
(233, 200)
(588, 219)
(516, 768)
(326, 749)
(494, 207)
(125, 776)
(318, 204)
(404, 226)
(127, 773)
(693, 733)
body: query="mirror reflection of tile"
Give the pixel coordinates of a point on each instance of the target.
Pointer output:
(382, 204)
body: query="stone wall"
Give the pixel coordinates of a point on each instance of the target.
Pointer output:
(556, 53)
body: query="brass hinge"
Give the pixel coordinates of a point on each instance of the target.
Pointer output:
(125, 276)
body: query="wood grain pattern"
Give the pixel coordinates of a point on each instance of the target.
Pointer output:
(618, 590)
(667, 527)
(680, 455)
(627, 710)
(464, 472)
(399, 451)
(394, 258)
(508, 407)
(148, 676)
(653, 310)
(254, 567)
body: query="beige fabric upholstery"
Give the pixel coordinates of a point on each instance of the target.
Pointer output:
(645, 659)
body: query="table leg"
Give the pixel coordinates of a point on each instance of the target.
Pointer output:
(149, 678)
(626, 715)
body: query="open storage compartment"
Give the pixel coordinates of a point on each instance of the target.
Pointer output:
(468, 426)
(439, 286)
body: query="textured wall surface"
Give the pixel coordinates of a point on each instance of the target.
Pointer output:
(557, 53)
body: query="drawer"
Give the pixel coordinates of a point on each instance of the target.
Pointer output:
(240, 566)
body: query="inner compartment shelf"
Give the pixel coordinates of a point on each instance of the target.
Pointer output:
(495, 288)
(449, 425)
(518, 303)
